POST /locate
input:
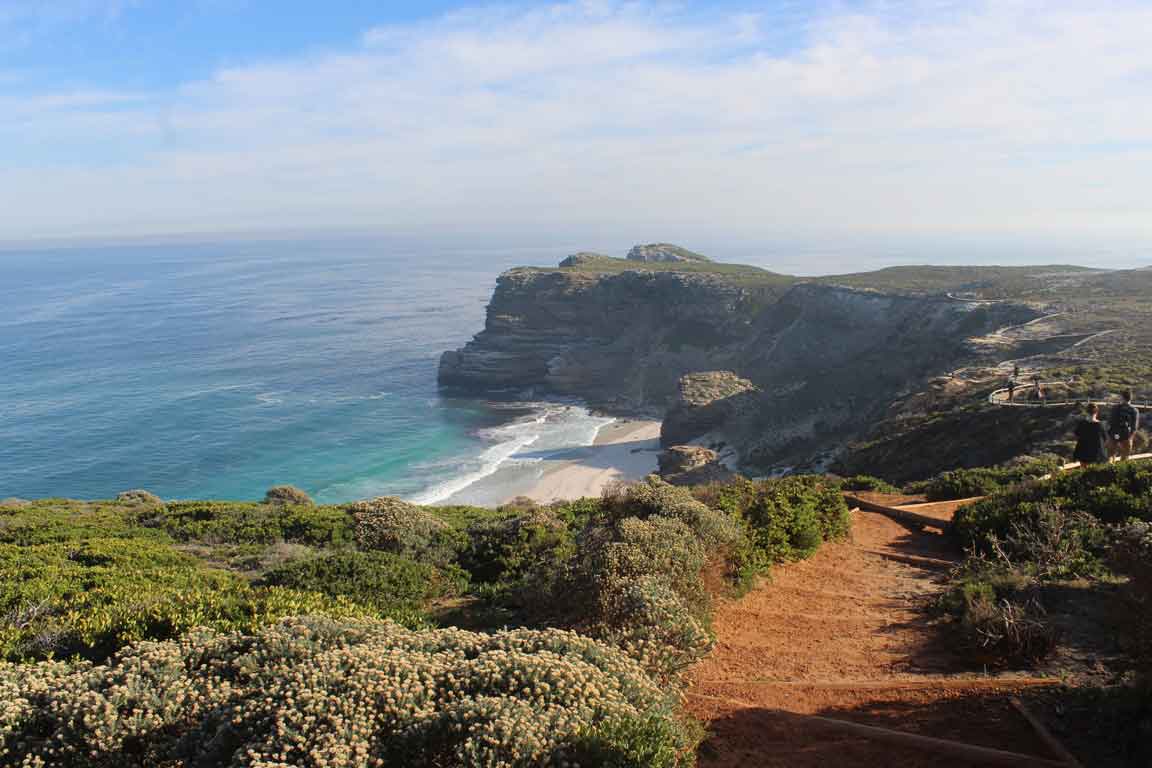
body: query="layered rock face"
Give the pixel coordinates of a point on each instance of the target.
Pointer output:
(707, 401)
(621, 341)
(830, 360)
(788, 370)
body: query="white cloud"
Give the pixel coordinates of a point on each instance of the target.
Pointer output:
(637, 119)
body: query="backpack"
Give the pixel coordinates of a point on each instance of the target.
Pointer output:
(1123, 422)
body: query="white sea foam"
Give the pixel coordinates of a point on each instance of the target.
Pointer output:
(551, 430)
(490, 461)
(270, 398)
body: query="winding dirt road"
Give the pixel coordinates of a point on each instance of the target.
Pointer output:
(844, 635)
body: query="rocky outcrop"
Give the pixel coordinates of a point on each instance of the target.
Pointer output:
(619, 340)
(792, 369)
(691, 465)
(663, 252)
(706, 402)
(583, 258)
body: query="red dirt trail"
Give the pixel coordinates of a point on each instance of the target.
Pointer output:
(844, 635)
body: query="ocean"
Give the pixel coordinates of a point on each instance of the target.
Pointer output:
(219, 370)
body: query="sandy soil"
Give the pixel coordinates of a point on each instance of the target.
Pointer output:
(623, 450)
(843, 635)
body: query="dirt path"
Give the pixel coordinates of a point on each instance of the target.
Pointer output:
(844, 635)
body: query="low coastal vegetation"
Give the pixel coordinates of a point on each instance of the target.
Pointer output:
(1064, 562)
(139, 632)
(981, 481)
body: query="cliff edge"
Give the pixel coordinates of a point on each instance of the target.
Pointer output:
(798, 366)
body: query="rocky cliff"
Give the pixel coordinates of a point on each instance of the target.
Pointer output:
(620, 340)
(820, 361)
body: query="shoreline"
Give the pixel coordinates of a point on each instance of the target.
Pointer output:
(624, 450)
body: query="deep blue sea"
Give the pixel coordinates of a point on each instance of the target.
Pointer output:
(216, 371)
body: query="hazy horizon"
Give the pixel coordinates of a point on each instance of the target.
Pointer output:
(800, 258)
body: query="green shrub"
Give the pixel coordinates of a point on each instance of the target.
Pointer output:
(387, 583)
(1109, 493)
(785, 518)
(222, 522)
(508, 549)
(578, 514)
(288, 494)
(643, 742)
(868, 483)
(393, 525)
(998, 613)
(55, 521)
(981, 481)
(93, 597)
(316, 692)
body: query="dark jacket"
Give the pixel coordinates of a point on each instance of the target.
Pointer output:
(1124, 421)
(1090, 447)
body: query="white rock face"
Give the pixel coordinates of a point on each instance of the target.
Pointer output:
(663, 252)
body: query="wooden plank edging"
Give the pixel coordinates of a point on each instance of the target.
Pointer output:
(986, 755)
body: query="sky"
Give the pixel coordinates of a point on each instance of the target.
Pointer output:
(1007, 121)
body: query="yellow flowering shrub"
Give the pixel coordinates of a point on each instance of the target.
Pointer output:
(319, 692)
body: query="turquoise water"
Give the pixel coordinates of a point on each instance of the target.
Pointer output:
(216, 371)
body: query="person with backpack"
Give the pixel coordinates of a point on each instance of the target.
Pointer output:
(1122, 426)
(1091, 438)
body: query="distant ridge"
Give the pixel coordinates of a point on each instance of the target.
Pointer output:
(664, 252)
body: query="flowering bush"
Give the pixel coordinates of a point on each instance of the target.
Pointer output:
(654, 625)
(394, 525)
(713, 527)
(313, 692)
(643, 574)
(656, 548)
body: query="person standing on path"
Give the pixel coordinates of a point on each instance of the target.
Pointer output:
(1011, 389)
(1091, 439)
(1122, 426)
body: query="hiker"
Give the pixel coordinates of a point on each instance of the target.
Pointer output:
(1011, 389)
(1122, 426)
(1015, 371)
(1091, 439)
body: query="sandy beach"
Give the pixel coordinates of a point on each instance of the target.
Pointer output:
(623, 450)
